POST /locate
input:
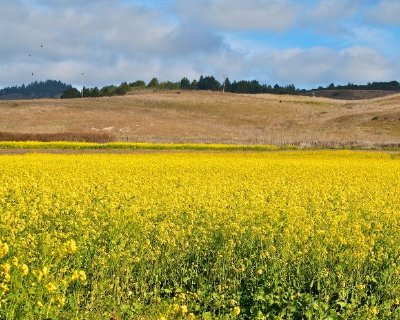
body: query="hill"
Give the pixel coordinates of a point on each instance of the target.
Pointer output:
(353, 94)
(201, 116)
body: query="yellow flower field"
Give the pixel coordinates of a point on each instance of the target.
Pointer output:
(276, 235)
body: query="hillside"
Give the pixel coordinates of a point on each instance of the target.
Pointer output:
(187, 116)
(351, 94)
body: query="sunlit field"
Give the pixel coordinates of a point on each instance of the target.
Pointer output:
(272, 235)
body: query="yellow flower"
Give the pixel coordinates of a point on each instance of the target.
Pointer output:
(15, 261)
(4, 287)
(45, 271)
(3, 249)
(51, 287)
(184, 309)
(24, 269)
(70, 246)
(236, 311)
(79, 275)
(60, 301)
(6, 267)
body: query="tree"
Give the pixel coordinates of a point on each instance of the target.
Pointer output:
(70, 93)
(185, 83)
(154, 83)
(122, 89)
(107, 91)
(227, 85)
(138, 83)
(194, 84)
(208, 83)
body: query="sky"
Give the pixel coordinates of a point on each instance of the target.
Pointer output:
(306, 43)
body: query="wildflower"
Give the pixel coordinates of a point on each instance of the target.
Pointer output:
(60, 300)
(6, 267)
(184, 309)
(45, 271)
(4, 287)
(236, 311)
(24, 269)
(70, 246)
(15, 262)
(51, 287)
(3, 249)
(78, 275)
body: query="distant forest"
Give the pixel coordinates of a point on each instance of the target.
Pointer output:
(57, 89)
(212, 84)
(35, 90)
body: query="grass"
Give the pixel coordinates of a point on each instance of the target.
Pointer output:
(132, 146)
(62, 145)
(99, 137)
(209, 117)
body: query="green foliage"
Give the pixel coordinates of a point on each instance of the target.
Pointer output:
(185, 83)
(71, 93)
(208, 83)
(390, 85)
(154, 83)
(193, 84)
(46, 89)
(136, 146)
(138, 83)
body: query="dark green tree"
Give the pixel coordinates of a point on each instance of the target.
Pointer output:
(194, 84)
(208, 83)
(138, 83)
(185, 83)
(70, 93)
(227, 85)
(154, 83)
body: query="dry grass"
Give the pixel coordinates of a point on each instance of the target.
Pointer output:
(211, 117)
(100, 137)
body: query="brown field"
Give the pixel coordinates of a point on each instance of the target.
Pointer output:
(206, 117)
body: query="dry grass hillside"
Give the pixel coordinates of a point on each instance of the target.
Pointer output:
(210, 117)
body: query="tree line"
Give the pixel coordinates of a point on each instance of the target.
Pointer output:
(41, 89)
(210, 83)
(390, 86)
(56, 89)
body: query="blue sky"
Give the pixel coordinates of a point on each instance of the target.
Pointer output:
(307, 43)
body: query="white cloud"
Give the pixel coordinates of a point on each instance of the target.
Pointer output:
(386, 12)
(122, 42)
(275, 15)
(334, 9)
(322, 65)
(114, 41)
(330, 16)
